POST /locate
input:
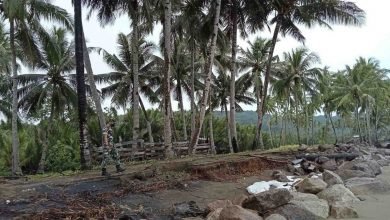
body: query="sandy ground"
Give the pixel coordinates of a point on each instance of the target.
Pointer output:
(376, 206)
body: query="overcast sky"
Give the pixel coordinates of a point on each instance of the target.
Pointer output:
(336, 48)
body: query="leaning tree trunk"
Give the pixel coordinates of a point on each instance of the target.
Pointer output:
(228, 130)
(233, 71)
(94, 91)
(85, 157)
(166, 80)
(267, 79)
(211, 129)
(148, 123)
(258, 88)
(333, 127)
(181, 106)
(192, 95)
(134, 58)
(16, 170)
(208, 71)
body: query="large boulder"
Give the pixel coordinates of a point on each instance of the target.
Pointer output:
(385, 152)
(329, 165)
(312, 203)
(366, 185)
(337, 193)
(239, 200)
(378, 157)
(236, 212)
(331, 178)
(311, 185)
(342, 210)
(187, 209)
(348, 173)
(212, 206)
(371, 167)
(294, 212)
(383, 163)
(214, 215)
(275, 217)
(280, 176)
(268, 200)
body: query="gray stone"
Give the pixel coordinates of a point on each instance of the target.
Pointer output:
(322, 159)
(311, 185)
(385, 152)
(348, 173)
(275, 217)
(371, 167)
(325, 147)
(341, 210)
(268, 200)
(329, 165)
(214, 215)
(312, 203)
(366, 185)
(239, 200)
(238, 213)
(331, 178)
(280, 176)
(212, 206)
(378, 157)
(187, 209)
(303, 147)
(337, 193)
(383, 163)
(294, 212)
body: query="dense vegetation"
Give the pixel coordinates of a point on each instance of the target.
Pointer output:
(52, 117)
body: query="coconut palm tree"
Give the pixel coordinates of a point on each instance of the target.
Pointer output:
(299, 79)
(287, 14)
(24, 17)
(121, 79)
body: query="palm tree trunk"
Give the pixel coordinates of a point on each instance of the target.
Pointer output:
(312, 130)
(173, 124)
(16, 170)
(182, 112)
(208, 71)
(357, 121)
(270, 132)
(258, 135)
(233, 72)
(134, 48)
(192, 96)
(297, 118)
(85, 159)
(148, 123)
(267, 78)
(45, 147)
(94, 91)
(228, 130)
(342, 129)
(211, 130)
(333, 127)
(368, 112)
(167, 77)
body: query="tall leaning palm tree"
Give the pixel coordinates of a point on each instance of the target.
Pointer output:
(24, 17)
(287, 14)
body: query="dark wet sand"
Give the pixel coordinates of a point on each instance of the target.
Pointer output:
(376, 206)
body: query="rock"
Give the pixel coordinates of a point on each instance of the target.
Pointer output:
(331, 178)
(275, 217)
(325, 147)
(193, 218)
(267, 200)
(385, 152)
(311, 185)
(366, 185)
(239, 200)
(212, 206)
(280, 176)
(322, 159)
(378, 157)
(294, 212)
(214, 215)
(187, 209)
(371, 167)
(384, 162)
(347, 173)
(337, 193)
(236, 212)
(312, 203)
(296, 161)
(342, 210)
(303, 147)
(309, 166)
(329, 165)
(354, 150)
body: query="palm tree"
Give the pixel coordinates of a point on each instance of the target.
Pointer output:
(54, 90)
(24, 17)
(140, 12)
(289, 13)
(120, 80)
(299, 79)
(208, 72)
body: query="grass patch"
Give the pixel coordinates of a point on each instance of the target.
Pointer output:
(283, 149)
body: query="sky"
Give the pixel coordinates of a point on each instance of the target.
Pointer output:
(337, 47)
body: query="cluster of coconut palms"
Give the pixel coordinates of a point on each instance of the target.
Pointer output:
(200, 60)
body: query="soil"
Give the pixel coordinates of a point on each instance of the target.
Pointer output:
(145, 189)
